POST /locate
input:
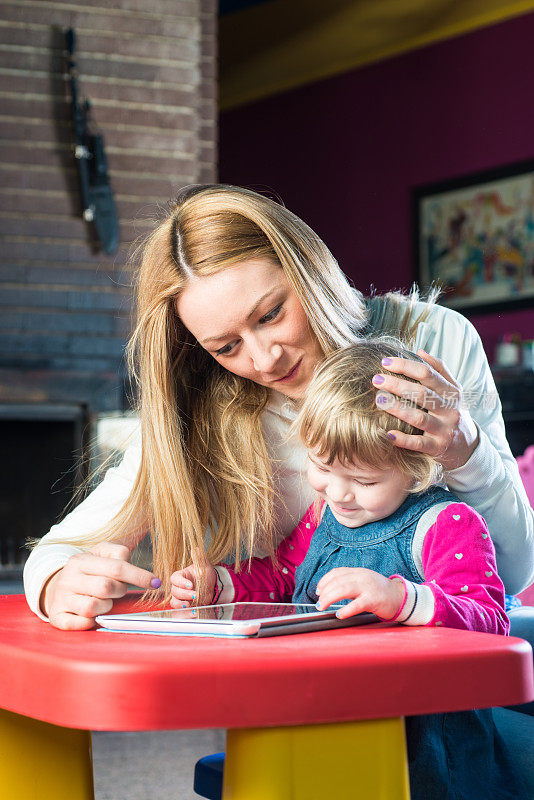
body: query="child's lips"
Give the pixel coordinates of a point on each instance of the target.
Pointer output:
(343, 510)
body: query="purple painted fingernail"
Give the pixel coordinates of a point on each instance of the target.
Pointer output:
(392, 436)
(378, 379)
(386, 362)
(155, 583)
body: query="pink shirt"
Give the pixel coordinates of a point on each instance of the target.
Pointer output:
(460, 586)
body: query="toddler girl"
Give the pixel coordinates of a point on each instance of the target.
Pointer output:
(383, 537)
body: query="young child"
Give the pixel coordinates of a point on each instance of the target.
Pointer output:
(388, 540)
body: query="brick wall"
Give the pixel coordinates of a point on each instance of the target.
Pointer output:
(149, 69)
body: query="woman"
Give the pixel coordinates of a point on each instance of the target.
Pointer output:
(238, 301)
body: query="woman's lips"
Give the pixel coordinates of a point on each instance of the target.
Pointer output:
(291, 374)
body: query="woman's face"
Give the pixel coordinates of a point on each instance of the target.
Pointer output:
(250, 320)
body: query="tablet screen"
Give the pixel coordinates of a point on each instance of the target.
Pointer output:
(230, 612)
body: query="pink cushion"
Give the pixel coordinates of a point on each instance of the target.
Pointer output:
(526, 470)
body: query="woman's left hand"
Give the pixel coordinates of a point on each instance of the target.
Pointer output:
(449, 432)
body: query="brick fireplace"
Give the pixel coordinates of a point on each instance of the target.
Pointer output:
(65, 308)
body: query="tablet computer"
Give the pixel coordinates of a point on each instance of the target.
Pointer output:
(232, 619)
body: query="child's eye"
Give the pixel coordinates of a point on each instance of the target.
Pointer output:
(318, 467)
(272, 314)
(367, 484)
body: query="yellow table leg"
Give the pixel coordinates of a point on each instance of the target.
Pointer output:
(363, 760)
(39, 761)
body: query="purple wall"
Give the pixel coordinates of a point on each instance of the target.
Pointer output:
(345, 153)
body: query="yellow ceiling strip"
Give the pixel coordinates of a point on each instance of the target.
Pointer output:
(282, 44)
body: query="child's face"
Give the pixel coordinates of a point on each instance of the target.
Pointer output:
(357, 494)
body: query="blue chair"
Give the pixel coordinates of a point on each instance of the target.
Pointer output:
(209, 776)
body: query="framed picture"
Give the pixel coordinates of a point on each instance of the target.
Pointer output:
(474, 236)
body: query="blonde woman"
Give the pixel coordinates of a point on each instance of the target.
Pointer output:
(238, 301)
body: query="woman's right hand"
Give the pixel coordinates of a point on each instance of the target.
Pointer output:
(88, 583)
(185, 584)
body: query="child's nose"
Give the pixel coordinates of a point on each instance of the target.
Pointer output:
(340, 493)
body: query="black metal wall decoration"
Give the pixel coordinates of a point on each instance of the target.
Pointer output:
(97, 195)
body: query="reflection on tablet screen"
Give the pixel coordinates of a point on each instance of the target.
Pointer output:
(235, 612)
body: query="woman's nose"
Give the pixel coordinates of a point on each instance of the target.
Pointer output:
(265, 356)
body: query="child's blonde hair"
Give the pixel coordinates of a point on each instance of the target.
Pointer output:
(339, 417)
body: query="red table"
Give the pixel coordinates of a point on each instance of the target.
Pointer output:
(294, 704)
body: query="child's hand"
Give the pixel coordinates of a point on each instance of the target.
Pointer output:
(370, 590)
(185, 583)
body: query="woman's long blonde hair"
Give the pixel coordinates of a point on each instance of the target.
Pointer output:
(340, 419)
(205, 464)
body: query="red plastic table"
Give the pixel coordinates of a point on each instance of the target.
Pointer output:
(309, 715)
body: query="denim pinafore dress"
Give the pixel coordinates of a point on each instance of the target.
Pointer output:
(452, 756)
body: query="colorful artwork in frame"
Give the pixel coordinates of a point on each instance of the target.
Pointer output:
(474, 237)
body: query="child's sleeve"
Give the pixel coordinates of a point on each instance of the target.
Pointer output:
(268, 580)
(462, 588)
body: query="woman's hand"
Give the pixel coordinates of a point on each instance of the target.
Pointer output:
(449, 432)
(88, 583)
(370, 590)
(185, 583)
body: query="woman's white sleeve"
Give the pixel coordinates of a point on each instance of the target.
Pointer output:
(95, 511)
(490, 480)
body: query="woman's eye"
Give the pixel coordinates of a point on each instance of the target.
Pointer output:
(224, 350)
(272, 314)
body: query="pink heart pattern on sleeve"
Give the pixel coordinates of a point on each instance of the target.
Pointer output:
(460, 569)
